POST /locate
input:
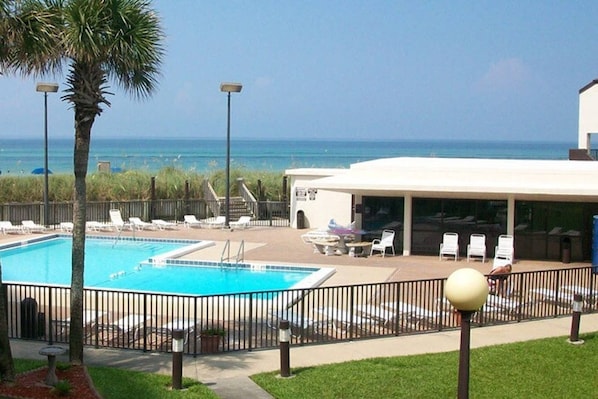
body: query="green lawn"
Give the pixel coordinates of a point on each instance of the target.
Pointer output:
(548, 368)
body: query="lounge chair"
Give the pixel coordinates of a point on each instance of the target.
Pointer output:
(90, 318)
(164, 332)
(66, 227)
(29, 226)
(137, 223)
(504, 251)
(117, 220)
(414, 313)
(449, 246)
(383, 315)
(191, 221)
(164, 225)
(343, 320)
(242, 223)
(125, 329)
(386, 241)
(93, 225)
(214, 223)
(560, 298)
(477, 247)
(7, 227)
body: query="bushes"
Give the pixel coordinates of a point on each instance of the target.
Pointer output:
(136, 184)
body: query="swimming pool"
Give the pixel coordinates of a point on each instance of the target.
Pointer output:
(145, 265)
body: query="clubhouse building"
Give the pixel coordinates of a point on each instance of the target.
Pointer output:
(547, 205)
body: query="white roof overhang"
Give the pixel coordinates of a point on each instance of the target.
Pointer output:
(475, 178)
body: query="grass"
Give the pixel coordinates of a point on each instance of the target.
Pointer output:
(548, 368)
(135, 185)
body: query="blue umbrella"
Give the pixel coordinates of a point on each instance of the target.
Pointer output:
(40, 171)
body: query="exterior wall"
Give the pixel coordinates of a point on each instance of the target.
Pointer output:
(588, 115)
(318, 205)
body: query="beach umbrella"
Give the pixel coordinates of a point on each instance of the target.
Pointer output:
(40, 171)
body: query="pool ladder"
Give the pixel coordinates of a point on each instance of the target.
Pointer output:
(240, 253)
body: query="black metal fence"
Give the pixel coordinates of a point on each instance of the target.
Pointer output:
(270, 213)
(247, 321)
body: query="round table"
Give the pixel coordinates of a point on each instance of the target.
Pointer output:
(362, 245)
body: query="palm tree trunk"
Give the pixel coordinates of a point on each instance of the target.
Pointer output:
(83, 125)
(7, 367)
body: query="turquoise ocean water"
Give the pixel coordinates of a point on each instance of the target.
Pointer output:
(21, 156)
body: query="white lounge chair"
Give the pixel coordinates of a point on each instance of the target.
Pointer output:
(7, 227)
(343, 320)
(386, 241)
(191, 221)
(66, 227)
(137, 223)
(117, 220)
(187, 325)
(214, 223)
(449, 246)
(414, 313)
(94, 225)
(164, 225)
(29, 226)
(242, 223)
(504, 250)
(477, 247)
(380, 314)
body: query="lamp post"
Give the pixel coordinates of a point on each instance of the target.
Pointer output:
(467, 290)
(228, 88)
(46, 88)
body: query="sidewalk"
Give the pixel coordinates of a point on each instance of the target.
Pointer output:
(227, 374)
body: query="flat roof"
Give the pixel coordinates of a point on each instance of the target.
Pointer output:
(488, 178)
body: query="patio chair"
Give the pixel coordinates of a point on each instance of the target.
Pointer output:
(117, 220)
(449, 246)
(382, 315)
(386, 241)
(137, 223)
(164, 225)
(124, 330)
(343, 320)
(66, 227)
(477, 247)
(191, 221)
(504, 251)
(7, 227)
(242, 223)
(214, 223)
(29, 226)
(90, 318)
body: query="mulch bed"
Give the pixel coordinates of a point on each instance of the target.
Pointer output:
(31, 385)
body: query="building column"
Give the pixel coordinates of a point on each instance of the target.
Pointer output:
(510, 214)
(407, 224)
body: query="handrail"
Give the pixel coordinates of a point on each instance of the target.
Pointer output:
(240, 252)
(211, 197)
(247, 196)
(226, 247)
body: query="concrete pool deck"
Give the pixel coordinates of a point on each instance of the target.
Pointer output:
(227, 374)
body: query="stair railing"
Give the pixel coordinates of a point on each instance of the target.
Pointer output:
(212, 200)
(249, 199)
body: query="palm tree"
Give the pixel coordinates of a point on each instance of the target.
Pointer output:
(95, 41)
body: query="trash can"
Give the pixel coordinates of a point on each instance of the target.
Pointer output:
(300, 220)
(566, 250)
(29, 316)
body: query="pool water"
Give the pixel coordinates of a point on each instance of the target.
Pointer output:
(126, 264)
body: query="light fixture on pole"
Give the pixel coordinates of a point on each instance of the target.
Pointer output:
(228, 88)
(467, 290)
(46, 88)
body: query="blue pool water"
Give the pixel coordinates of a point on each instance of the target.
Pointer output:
(124, 265)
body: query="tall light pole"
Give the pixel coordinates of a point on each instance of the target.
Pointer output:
(46, 88)
(467, 291)
(228, 88)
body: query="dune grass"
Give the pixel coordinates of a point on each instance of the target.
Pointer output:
(135, 185)
(548, 368)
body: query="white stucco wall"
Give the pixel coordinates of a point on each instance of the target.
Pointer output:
(318, 205)
(588, 114)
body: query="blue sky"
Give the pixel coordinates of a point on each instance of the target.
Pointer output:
(463, 70)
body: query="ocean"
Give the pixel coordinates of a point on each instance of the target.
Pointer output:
(22, 156)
